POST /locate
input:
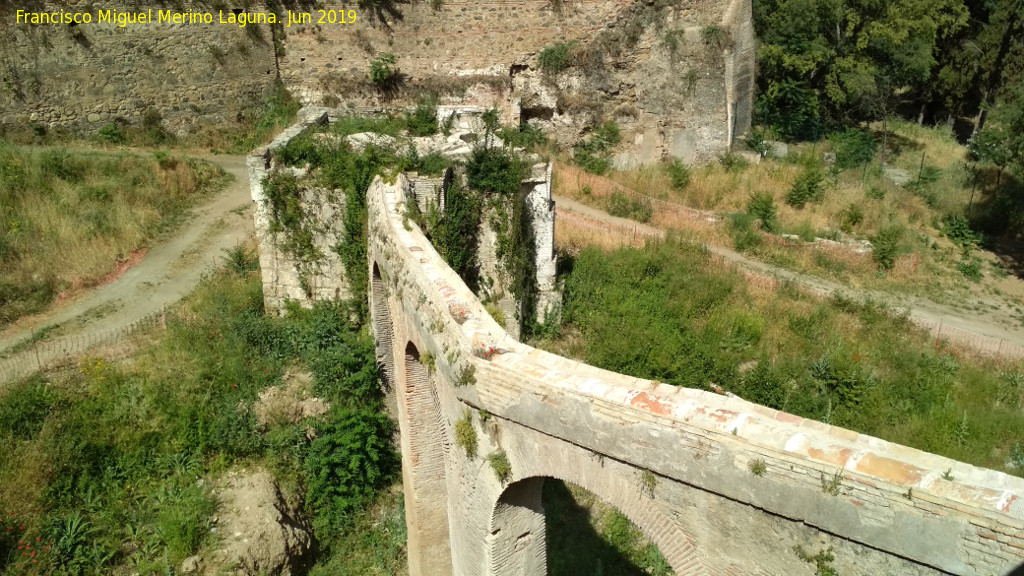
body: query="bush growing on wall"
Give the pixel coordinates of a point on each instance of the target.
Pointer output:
(495, 170)
(455, 236)
(556, 57)
(422, 121)
(383, 71)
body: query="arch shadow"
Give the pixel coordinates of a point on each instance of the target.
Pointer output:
(518, 541)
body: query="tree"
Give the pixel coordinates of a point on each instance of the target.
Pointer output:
(383, 71)
(1001, 142)
(835, 59)
(983, 61)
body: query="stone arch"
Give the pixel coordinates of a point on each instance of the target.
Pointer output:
(424, 449)
(383, 328)
(516, 538)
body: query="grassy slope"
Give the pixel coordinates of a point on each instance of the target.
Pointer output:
(669, 313)
(725, 189)
(67, 217)
(103, 460)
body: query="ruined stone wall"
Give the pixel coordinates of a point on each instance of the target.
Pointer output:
(287, 276)
(721, 485)
(674, 89)
(87, 75)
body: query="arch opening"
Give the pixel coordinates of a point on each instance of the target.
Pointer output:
(423, 470)
(383, 331)
(543, 525)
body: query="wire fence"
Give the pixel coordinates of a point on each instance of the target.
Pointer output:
(957, 341)
(671, 215)
(44, 354)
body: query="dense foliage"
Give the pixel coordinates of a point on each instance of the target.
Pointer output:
(104, 459)
(594, 154)
(833, 63)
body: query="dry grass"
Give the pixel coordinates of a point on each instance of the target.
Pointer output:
(929, 262)
(68, 218)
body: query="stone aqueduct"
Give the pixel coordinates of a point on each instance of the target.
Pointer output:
(676, 461)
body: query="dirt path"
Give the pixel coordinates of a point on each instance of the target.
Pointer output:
(170, 270)
(925, 312)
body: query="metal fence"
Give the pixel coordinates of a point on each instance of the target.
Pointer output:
(46, 354)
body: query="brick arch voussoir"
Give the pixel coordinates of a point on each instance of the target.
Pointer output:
(679, 548)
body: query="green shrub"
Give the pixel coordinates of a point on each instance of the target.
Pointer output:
(111, 134)
(455, 236)
(423, 119)
(762, 206)
(383, 72)
(678, 173)
(184, 521)
(852, 216)
(741, 227)
(526, 136)
(885, 246)
(959, 231)
(594, 153)
(467, 375)
(853, 148)
(808, 186)
(556, 57)
(733, 162)
(500, 464)
(240, 260)
(465, 434)
(624, 206)
(58, 162)
(875, 192)
(24, 408)
(971, 269)
(348, 462)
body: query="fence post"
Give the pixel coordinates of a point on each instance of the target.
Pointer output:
(163, 316)
(35, 346)
(938, 333)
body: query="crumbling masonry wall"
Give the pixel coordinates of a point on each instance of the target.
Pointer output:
(87, 75)
(674, 92)
(288, 276)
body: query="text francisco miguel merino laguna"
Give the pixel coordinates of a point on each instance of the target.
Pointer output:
(123, 19)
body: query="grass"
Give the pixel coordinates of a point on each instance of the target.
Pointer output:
(671, 312)
(104, 460)
(858, 203)
(67, 217)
